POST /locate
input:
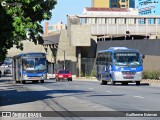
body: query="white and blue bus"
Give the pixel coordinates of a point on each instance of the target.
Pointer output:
(119, 64)
(30, 67)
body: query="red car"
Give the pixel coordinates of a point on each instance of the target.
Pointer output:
(63, 74)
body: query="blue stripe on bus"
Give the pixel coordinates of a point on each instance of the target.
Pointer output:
(133, 69)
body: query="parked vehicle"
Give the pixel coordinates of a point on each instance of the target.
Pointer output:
(63, 75)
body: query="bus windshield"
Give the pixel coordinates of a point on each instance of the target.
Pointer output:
(127, 59)
(34, 64)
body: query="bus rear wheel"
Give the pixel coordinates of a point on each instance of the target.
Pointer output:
(42, 81)
(104, 82)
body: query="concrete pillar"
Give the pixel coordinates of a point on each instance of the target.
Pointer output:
(137, 26)
(79, 61)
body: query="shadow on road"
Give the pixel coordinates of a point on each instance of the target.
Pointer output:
(12, 94)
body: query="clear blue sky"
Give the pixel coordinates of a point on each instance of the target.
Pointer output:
(67, 7)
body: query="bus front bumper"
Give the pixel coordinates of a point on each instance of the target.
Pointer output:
(119, 76)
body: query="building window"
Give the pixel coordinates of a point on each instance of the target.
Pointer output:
(50, 27)
(123, 6)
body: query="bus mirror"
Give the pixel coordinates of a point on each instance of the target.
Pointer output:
(143, 56)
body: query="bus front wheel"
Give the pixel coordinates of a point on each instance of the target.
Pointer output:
(17, 81)
(42, 81)
(23, 81)
(124, 83)
(113, 82)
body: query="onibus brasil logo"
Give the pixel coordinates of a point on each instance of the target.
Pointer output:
(4, 4)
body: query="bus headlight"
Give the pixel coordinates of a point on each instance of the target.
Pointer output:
(44, 76)
(138, 75)
(117, 75)
(24, 76)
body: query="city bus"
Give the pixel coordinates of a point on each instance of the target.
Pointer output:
(29, 67)
(119, 64)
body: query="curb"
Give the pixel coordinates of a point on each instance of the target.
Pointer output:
(150, 82)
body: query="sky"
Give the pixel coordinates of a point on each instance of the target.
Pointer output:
(67, 7)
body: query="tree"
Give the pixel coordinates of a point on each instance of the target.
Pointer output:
(20, 19)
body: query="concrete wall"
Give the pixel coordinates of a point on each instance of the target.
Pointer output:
(70, 54)
(28, 46)
(151, 49)
(151, 63)
(80, 35)
(64, 44)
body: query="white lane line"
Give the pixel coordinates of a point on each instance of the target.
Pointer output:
(138, 97)
(77, 86)
(91, 88)
(109, 91)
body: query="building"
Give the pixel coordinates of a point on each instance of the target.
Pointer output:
(132, 4)
(101, 3)
(114, 27)
(113, 3)
(120, 4)
(53, 29)
(97, 29)
(150, 7)
(109, 11)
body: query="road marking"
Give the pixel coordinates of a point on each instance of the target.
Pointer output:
(77, 86)
(109, 91)
(91, 88)
(138, 97)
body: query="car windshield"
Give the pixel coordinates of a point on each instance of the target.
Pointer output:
(64, 72)
(127, 59)
(30, 64)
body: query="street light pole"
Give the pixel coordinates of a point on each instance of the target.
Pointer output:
(64, 62)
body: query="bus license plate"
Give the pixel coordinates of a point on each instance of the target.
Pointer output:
(34, 78)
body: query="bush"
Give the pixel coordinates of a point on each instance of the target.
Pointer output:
(151, 75)
(93, 73)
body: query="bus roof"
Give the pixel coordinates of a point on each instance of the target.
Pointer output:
(116, 49)
(29, 53)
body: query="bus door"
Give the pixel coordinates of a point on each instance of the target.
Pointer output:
(107, 71)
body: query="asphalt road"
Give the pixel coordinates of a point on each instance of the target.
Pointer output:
(79, 95)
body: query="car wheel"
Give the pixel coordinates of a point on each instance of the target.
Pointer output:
(57, 79)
